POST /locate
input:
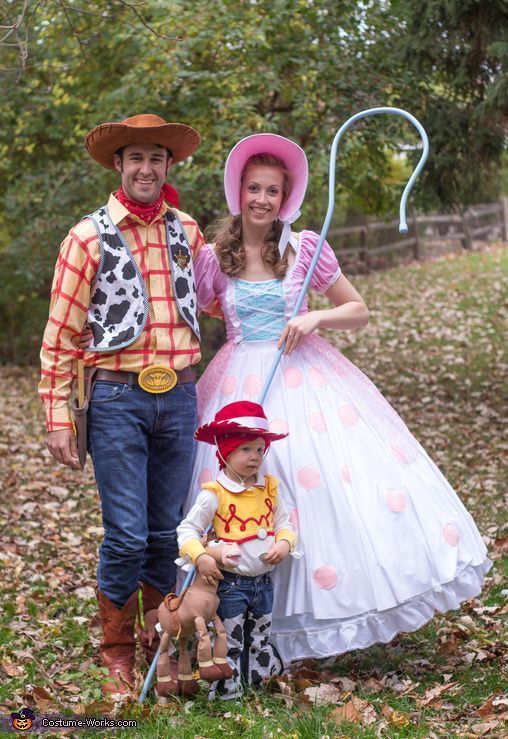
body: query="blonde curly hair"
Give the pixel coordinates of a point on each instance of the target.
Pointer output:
(227, 235)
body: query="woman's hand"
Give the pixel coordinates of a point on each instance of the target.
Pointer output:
(296, 329)
(83, 340)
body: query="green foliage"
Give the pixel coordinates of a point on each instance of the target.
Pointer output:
(22, 313)
(454, 55)
(230, 68)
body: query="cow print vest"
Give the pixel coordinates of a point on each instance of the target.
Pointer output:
(118, 308)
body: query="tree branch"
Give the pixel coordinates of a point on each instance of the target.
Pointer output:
(16, 34)
(14, 26)
(132, 7)
(74, 32)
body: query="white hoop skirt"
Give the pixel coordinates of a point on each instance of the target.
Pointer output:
(386, 540)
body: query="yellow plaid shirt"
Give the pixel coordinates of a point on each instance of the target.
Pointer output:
(166, 338)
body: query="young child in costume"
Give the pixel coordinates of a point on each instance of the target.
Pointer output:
(387, 541)
(246, 508)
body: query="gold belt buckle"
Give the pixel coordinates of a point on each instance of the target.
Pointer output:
(157, 379)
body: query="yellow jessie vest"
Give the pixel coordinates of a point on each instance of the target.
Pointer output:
(240, 516)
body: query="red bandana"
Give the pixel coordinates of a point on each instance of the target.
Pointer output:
(148, 211)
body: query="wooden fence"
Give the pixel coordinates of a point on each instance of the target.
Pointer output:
(364, 242)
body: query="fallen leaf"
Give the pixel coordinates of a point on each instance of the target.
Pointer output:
(432, 695)
(356, 710)
(97, 708)
(399, 719)
(44, 701)
(485, 727)
(306, 673)
(346, 685)
(501, 701)
(86, 593)
(348, 712)
(11, 669)
(323, 694)
(373, 685)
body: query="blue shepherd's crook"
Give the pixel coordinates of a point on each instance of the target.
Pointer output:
(331, 205)
(299, 301)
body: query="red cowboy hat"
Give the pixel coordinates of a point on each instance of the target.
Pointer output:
(242, 417)
(104, 140)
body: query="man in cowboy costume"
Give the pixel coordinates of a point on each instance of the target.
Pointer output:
(127, 271)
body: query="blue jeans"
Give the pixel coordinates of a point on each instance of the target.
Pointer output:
(243, 595)
(245, 608)
(142, 447)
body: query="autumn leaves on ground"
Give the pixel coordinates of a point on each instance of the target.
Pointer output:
(434, 347)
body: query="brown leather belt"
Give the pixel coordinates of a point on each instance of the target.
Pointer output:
(131, 378)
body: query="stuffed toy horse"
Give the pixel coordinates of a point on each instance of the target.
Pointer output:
(182, 617)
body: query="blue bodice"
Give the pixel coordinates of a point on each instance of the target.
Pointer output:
(260, 307)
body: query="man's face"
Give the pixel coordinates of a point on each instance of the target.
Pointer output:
(143, 169)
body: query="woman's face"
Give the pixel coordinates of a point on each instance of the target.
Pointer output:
(261, 195)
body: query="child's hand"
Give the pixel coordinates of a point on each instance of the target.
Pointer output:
(277, 552)
(208, 570)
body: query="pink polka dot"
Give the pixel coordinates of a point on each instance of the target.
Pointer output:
(317, 421)
(229, 385)
(337, 366)
(293, 377)
(403, 454)
(395, 500)
(348, 415)
(293, 517)
(205, 476)
(346, 475)
(451, 535)
(398, 454)
(252, 385)
(317, 377)
(309, 478)
(278, 426)
(325, 577)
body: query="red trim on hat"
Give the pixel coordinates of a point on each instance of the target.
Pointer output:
(230, 420)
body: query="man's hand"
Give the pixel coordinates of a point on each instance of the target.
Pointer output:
(277, 552)
(62, 445)
(208, 570)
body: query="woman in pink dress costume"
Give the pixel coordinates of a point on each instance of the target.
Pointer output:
(386, 540)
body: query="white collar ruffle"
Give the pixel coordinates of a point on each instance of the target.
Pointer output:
(236, 487)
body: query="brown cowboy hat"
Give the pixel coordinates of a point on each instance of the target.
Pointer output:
(105, 139)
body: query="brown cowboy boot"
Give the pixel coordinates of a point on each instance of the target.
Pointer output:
(146, 631)
(118, 646)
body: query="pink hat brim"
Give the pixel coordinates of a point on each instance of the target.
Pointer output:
(291, 154)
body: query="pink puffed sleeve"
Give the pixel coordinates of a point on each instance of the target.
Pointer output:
(327, 270)
(209, 282)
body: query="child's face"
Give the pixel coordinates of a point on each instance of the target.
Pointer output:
(247, 458)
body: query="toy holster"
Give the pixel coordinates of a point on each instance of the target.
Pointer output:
(79, 414)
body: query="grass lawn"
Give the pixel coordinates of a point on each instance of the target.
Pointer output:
(434, 347)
